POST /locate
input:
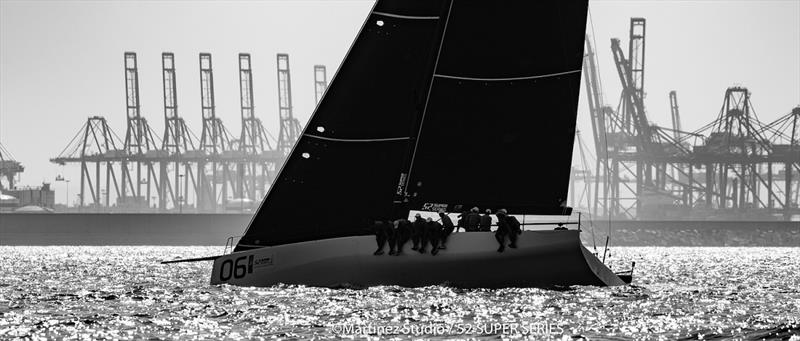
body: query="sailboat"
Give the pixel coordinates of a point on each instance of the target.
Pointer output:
(438, 105)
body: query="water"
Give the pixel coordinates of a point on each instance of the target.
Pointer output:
(123, 293)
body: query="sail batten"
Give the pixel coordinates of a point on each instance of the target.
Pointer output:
(505, 79)
(385, 139)
(411, 17)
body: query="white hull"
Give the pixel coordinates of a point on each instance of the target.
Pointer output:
(542, 259)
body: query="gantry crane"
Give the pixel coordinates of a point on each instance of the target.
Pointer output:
(214, 142)
(289, 125)
(9, 168)
(254, 139)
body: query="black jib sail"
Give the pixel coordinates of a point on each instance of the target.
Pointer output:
(447, 103)
(344, 170)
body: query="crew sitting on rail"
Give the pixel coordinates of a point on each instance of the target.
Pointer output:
(433, 233)
(383, 232)
(402, 233)
(560, 227)
(447, 228)
(418, 234)
(473, 220)
(507, 226)
(423, 231)
(486, 222)
(462, 219)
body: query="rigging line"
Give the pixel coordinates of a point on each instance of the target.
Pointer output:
(412, 17)
(605, 136)
(597, 65)
(428, 97)
(359, 140)
(508, 78)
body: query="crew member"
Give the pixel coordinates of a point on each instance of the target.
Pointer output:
(560, 227)
(418, 233)
(507, 226)
(516, 229)
(433, 232)
(382, 232)
(391, 235)
(486, 221)
(473, 220)
(402, 233)
(447, 228)
(462, 220)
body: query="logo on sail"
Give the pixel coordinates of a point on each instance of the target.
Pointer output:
(401, 185)
(434, 206)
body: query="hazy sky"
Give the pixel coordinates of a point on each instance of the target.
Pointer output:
(62, 61)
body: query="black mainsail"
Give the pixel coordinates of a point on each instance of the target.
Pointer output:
(437, 103)
(499, 124)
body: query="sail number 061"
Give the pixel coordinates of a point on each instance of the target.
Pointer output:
(236, 268)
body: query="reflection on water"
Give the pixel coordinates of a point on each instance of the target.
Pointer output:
(123, 293)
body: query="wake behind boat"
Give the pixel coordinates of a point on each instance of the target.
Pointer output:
(436, 107)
